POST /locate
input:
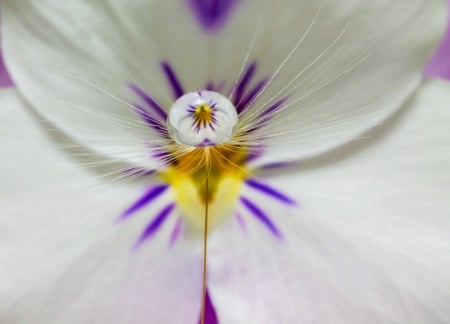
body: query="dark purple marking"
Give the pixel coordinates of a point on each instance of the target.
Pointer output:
(172, 78)
(267, 114)
(151, 121)
(261, 216)
(147, 198)
(138, 171)
(212, 14)
(155, 224)
(242, 105)
(210, 312)
(273, 108)
(210, 86)
(207, 142)
(175, 232)
(161, 155)
(269, 191)
(149, 101)
(254, 154)
(276, 165)
(5, 78)
(243, 83)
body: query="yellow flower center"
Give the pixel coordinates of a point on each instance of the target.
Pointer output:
(203, 115)
(223, 166)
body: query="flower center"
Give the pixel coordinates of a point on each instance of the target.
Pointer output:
(225, 169)
(204, 122)
(202, 118)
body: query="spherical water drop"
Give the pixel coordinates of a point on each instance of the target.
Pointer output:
(202, 118)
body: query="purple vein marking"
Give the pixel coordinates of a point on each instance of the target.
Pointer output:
(253, 155)
(151, 121)
(175, 232)
(149, 101)
(160, 154)
(269, 191)
(147, 198)
(133, 171)
(211, 86)
(241, 222)
(275, 165)
(243, 104)
(243, 83)
(172, 78)
(155, 224)
(273, 108)
(261, 216)
(267, 114)
(210, 312)
(211, 14)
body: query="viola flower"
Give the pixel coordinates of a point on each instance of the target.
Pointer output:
(273, 128)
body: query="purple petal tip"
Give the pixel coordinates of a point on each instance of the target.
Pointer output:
(212, 15)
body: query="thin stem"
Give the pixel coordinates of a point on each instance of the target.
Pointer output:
(205, 242)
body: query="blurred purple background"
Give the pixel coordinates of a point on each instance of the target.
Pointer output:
(439, 65)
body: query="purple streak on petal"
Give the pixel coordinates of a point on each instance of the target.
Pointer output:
(175, 232)
(253, 156)
(154, 225)
(206, 142)
(215, 87)
(149, 101)
(261, 216)
(269, 191)
(255, 152)
(210, 312)
(212, 14)
(138, 172)
(150, 195)
(151, 121)
(243, 104)
(5, 79)
(241, 222)
(278, 165)
(273, 108)
(172, 78)
(439, 65)
(243, 83)
(161, 155)
(267, 114)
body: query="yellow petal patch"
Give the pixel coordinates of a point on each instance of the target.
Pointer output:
(224, 167)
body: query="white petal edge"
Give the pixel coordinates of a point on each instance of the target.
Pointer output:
(64, 259)
(370, 242)
(109, 44)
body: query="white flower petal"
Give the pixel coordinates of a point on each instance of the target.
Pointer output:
(351, 64)
(85, 54)
(370, 242)
(355, 67)
(64, 259)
